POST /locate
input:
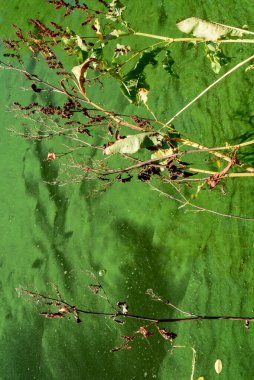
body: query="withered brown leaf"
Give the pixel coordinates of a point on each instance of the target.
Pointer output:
(52, 315)
(128, 338)
(122, 346)
(168, 335)
(143, 330)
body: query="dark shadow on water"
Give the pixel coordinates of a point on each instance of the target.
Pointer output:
(148, 265)
(245, 116)
(246, 154)
(54, 234)
(163, 17)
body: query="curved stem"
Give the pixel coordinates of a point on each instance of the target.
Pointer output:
(81, 87)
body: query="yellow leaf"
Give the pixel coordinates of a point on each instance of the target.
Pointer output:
(161, 153)
(98, 29)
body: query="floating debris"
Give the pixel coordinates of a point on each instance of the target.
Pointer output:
(218, 366)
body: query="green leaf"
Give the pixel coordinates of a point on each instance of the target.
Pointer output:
(210, 31)
(216, 57)
(97, 53)
(168, 63)
(135, 79)
(131, 144)
(75, 45)
(81, 55)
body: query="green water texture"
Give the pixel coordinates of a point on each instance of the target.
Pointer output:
(200, 262)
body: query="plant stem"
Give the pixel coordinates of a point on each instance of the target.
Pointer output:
(243, 41)
(199, 208)
(215, 150)
(165, 320)
(64, 92)
(232, 175)
(194, 354)
(35, 297)
(169, 39)
(59, 302)
(175, 155)
(238, 175)
(206, 317)
(193, 39)
(226, 147)
(209, 88)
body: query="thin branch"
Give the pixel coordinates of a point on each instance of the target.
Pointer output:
(209, 88)
(59, 302)
(193, 364)
(179, 154)
(64, 92)
(158, 298)
(199, 208)
(194, 39)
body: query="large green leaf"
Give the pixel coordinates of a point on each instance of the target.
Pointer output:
(133, 143)
(210, 31)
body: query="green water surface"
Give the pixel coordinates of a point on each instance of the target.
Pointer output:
(137, 239)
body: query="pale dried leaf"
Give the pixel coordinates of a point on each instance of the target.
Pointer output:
(123, 306)
(218, 366)
(210, 31)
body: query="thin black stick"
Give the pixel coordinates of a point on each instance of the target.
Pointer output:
(60, 302)
(167, 320)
